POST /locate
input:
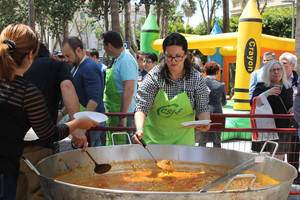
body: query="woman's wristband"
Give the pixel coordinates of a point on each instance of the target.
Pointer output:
(266, 93)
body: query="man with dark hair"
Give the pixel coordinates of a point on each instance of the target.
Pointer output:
(255, 76)
(94, 54)
(140, 56)
(87, 80)
(121, 83)
(54, 80)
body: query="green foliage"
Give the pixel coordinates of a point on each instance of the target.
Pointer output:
(13, 11)
(94, 8)
(60, 12)
(234, 24)
(278, 22)
(97, 28)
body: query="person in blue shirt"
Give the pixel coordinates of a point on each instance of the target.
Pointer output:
(87, 80)
(120, 83)
(94, 54)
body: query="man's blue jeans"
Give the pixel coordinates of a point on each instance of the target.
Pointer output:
(98, 137)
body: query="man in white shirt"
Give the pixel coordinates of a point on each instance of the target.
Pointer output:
(289, 61)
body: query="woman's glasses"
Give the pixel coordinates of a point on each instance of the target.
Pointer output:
(276, 70)
(176, 58)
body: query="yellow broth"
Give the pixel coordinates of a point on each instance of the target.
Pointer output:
(186, 177)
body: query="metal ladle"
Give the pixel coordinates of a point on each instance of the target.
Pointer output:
(145, 146)
(99, 168)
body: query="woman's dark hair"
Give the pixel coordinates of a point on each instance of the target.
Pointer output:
(112, 37)
(151, 56)
(177, 40)
(211, 68)
(43, 51)
(16, 41)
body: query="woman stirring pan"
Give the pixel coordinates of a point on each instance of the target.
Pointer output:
(170, 94)
(22, 106)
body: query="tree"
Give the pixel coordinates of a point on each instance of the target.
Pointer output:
(128, 31)
(31, 13)
(114, 11)
(189, 9)
(205, 7)
(275, 21)
(13, 11)
(158, 11)
(168, 6)
(98, 9)
(225, 16)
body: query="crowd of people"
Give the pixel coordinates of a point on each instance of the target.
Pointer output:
(38, 89)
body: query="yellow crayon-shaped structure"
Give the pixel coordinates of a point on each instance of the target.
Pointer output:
(248, 53)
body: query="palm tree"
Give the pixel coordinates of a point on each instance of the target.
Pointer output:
(189, 9)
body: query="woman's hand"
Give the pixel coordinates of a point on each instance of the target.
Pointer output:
(79, 139)
(274, 91)
(137, 136)
(203, 127)
(85, 123)
(81, 123)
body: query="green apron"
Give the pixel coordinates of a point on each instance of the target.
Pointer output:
(112, 101)
(165, 118)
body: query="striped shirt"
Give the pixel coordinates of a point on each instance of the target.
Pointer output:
(24, 95)
(194, 86)
(23, 106)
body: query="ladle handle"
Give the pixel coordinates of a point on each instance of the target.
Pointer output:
(31, 166)
(143, 143)
(91, 157)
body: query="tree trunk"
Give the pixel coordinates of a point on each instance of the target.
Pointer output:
(31, 14)
(66, 30)
(115, 21)
(225, 16)
(147, 7)
(158, 9)
(106, 22)
(166, 24)
(297, 48)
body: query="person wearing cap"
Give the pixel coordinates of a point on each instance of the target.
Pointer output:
(171, 93)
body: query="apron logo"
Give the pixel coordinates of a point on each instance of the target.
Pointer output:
(169, 110)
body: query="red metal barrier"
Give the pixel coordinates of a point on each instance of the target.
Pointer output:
(291, 143)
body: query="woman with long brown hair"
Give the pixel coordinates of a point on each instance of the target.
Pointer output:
(22, 105)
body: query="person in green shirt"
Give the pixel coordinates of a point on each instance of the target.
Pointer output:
(171, 93)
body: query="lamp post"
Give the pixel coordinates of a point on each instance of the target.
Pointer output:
(293, 17)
